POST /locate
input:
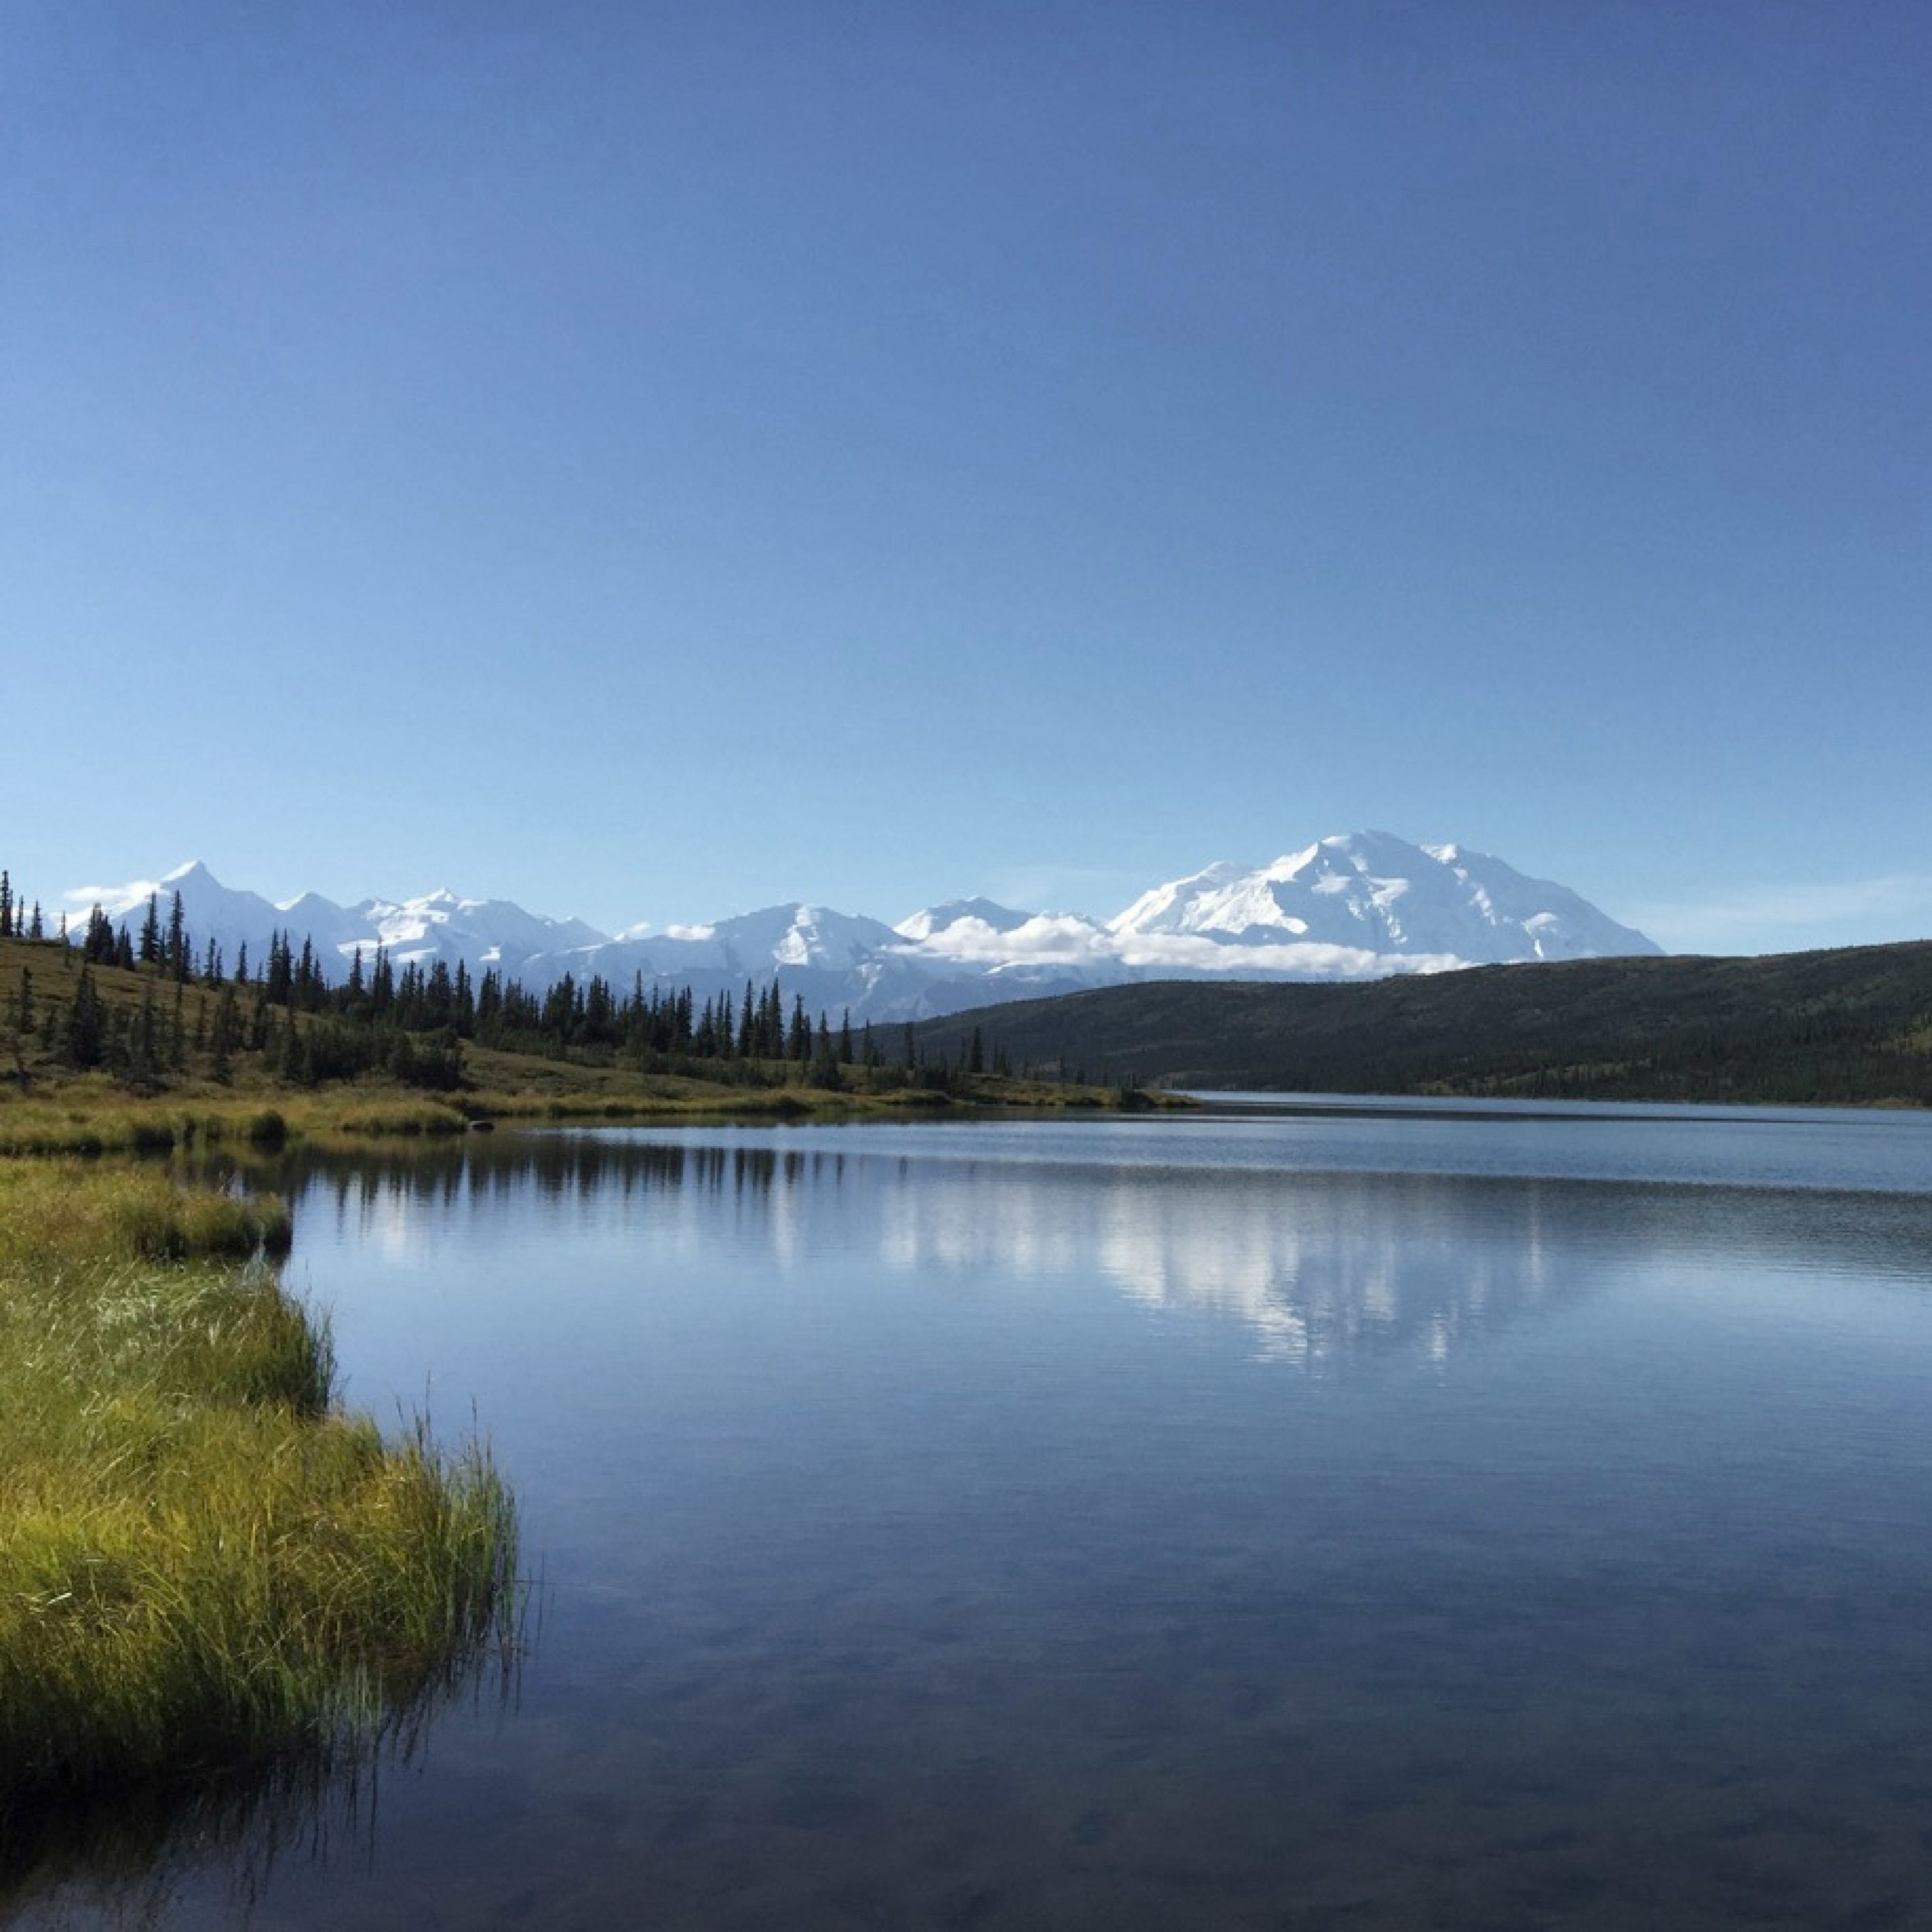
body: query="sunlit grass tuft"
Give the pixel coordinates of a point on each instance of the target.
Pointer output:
(202, 1561)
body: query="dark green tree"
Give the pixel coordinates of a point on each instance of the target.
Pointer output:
(149, 950)
(83, 1039)
(175, 949)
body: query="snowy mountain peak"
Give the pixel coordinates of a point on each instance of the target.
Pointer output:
(1155, 911)
(1353, 905)
(930, 920)
(1373, 892)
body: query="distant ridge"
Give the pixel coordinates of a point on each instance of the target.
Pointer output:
(1356, 906)
(1849, 1026)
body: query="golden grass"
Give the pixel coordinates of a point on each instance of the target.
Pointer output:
(202, 1561)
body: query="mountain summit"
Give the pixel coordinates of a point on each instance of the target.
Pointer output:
(1356, 905)
(1371, 890)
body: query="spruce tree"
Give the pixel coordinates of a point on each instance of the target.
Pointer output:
(175, 946)
(6, 906)
(97, 944)
(150, 949)
(143, 1060)
(221, 1043)
(83, 1040)
(383, 983)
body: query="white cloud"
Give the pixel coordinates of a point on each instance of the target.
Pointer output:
(1063, 939)
(113, 900)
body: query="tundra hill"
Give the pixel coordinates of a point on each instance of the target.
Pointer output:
(1849, 1026)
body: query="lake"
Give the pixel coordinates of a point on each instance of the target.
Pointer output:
(1320, 1515)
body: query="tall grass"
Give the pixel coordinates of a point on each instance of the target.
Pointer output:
(203, 1562)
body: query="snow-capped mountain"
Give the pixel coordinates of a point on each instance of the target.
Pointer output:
(1359, 905)
(485, 932)
(1375, 892)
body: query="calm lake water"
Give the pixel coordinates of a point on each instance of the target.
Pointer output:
(1344, 1516)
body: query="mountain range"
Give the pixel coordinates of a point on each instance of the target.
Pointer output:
(1358, 905)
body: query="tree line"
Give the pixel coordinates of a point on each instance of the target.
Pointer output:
(413, 1021)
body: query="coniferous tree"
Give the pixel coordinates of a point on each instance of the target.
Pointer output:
(124, 950)
(84, 1039)
(222, 1038)
(292, 1068)
(6, 906)
(150, 949)
(175, 946)
(35, 930)
(139, 1057)
(825, 1059)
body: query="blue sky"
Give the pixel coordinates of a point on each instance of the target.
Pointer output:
(650, 461)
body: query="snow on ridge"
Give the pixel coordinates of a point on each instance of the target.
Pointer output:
(1352, 905)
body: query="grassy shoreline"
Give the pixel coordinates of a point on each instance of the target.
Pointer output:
(91, 1116)
(206, 1565)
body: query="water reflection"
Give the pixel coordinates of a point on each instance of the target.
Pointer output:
(1321, 1265)
(120, 1855)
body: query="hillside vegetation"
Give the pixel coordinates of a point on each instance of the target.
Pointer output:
(1846, 1026)
(95, 1055)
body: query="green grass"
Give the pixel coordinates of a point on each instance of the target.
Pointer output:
(204, 1564)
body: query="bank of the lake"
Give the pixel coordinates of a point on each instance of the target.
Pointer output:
(207, 1568)
(96, 1058)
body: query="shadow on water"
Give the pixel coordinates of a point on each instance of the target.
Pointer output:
(117, 1855)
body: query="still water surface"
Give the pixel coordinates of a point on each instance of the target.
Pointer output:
(1339, 1517)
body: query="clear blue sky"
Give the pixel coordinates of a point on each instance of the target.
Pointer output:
(649, 461)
